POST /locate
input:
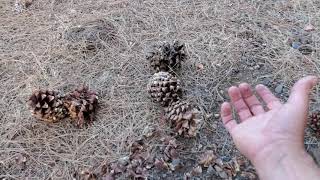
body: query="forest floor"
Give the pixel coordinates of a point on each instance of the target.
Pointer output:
(228, 42)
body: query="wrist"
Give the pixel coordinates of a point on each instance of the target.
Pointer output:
(275, 160)
(282, 160)
(278, 151)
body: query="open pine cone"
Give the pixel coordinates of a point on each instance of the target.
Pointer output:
(167, 57)
(183, 118)
(164, 88)
(47, 105)
(314, 122)
(81, 104)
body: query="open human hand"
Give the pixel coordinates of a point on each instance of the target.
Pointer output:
(261, 131)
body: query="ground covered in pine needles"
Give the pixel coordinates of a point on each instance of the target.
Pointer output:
(228, 42)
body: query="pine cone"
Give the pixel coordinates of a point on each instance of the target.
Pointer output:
(164, 88)
(169, 149)
(167, 57)
(81, 104)
(47, 105)
(183, 118)
(314, 122)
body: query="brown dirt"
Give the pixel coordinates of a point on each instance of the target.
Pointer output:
(235, 41)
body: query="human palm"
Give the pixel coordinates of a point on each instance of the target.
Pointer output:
(259, 129)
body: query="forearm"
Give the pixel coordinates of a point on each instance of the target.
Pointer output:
(281, 163)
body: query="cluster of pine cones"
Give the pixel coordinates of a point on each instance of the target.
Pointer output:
(165, 88)
(51, 106)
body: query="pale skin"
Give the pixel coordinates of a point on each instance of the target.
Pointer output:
(272, 138)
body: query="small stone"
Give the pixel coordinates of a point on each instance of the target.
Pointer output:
(315, 153)
(266, 81)
(296, 45)
(219, 162)
(124, 161)
(210, 170)
(257, 66)
(216, 115)
(235, 70)
(148, 131)
(199, 66)
(223, 175)
(217, 168)
(279, 88)
(209, 115)
(175, 164)
(309, 28)
(305, 50)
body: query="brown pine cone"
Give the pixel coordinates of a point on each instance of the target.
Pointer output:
(164, 88)
(47, 105)
(183, 117)
(167, 57)
(81, 104)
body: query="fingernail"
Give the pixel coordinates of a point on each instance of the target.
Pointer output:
(260, 86)
(244, 85)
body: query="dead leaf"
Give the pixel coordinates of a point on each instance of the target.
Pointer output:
(117, 168)
(28, 3)
(248, 175)
(104, 168)
(160, 164)
(207, 158)
(137, 146)
(196, 171)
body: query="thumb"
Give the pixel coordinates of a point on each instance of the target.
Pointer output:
(299, 96)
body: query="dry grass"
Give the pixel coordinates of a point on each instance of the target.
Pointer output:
(220, 35)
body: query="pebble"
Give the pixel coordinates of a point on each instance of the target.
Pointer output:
(218, 168)
(235, 70)
(296, 45)
(210, 170)
(279, 88)
(175, 164)
(223, 175)
(305, 50)
(309, 28)
(267, 81)
(315, 152)
(124, 160)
